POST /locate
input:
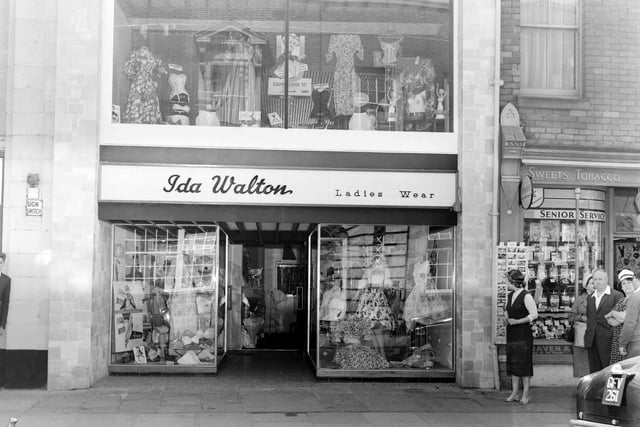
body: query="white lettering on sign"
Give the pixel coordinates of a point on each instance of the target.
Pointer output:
(262, 186)
(594, 176)
(587, 215)
(547, 175)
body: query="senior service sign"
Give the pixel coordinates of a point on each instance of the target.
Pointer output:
(226, 185)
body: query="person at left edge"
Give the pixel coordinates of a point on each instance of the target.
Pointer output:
(5, 290)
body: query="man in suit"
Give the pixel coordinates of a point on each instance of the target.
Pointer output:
(5, 289)
(598, 336)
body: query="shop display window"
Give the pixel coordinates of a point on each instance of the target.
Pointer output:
(626, 205)
(374, 66)
(168, 297)
(384, 299)
(557, 252)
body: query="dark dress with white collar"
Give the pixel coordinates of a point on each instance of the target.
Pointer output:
(519, 339)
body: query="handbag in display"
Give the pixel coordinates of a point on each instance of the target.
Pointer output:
(579, 329)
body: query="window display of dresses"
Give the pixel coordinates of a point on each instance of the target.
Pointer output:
(519, 338)
(143, 68)
(345, 80)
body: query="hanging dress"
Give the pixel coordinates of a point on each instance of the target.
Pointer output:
(142, 68)
(345, 80)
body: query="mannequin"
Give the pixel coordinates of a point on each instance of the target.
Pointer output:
(372, 303)
(334, 303)
(422, 303)
(143, 68)
(390, 45)
(178, 98)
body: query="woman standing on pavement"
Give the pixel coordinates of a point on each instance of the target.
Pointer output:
(579, 314)
(521, 311)
(616, 316)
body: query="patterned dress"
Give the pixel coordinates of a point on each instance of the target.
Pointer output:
(373, 306)
(519, 338)
(615, 340)
(142, 101)
(345, 80)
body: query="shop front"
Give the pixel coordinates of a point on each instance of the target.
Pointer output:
(573, 217)
(353, 268)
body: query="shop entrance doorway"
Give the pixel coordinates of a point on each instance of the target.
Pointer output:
(269, 278)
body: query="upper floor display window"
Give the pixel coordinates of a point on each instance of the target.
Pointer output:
(550, 47)
(379, 66)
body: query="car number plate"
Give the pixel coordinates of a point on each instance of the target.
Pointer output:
(614, 389)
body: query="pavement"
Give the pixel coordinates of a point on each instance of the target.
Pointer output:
(177, 401)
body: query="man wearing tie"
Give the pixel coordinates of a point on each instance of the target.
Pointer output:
(597, 338)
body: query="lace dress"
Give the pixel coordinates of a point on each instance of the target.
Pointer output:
(142, 68)
(345, 80)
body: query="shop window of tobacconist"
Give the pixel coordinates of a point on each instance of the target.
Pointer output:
(305, 64)
(384, 298)
(558, 258)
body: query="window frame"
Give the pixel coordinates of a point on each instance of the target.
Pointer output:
(269, 138)
(556, 93)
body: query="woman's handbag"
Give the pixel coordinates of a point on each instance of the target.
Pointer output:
(570, 334)
(579, 329)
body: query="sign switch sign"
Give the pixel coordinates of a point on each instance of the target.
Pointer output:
(34, 207)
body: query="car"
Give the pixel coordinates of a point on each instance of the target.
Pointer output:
(610, 397)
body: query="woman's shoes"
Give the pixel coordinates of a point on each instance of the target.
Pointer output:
(512, 398)
(524, 400)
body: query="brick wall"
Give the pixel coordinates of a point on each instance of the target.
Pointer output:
(607, 116)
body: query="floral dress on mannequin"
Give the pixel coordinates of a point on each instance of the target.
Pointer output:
(345, 80)
(142, 68)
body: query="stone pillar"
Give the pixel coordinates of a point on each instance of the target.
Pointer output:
(74, 224)
(30, 70)
(476, 56)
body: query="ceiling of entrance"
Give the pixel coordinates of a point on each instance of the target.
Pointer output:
(246, 233)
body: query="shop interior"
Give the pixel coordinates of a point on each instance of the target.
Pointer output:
(351, 299)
